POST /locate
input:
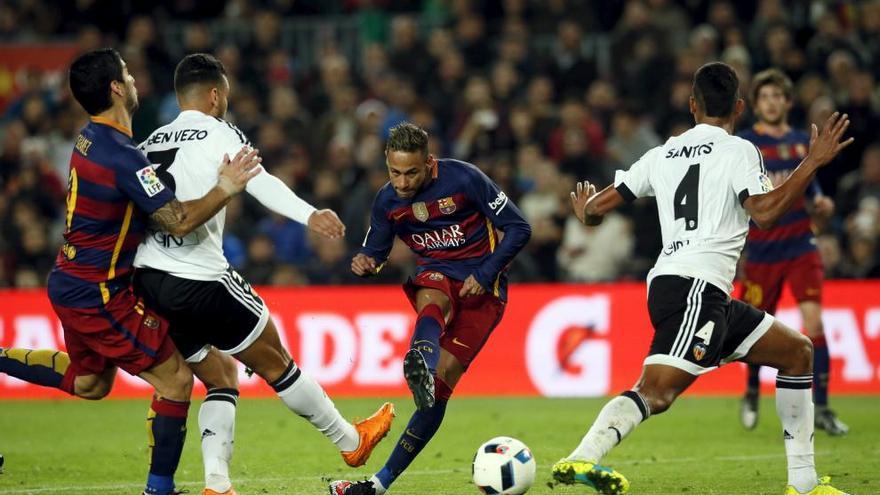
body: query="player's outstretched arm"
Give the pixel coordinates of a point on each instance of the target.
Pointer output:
(591, 207)
(363, 265)
(326, 223)
(274, 194)
(180, 218)
(766, 209)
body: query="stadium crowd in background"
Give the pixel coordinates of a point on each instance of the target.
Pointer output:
(537, 93)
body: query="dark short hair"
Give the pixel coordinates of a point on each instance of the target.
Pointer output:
(407, 137)
(716, 89)
(90, 77)
(198, 68)
(771, 77)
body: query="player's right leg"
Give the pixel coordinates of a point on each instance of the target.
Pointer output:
(166, 421)
(219, 373)
(420, 363)
(52, 368)
(124, 333)
(305, 397)
(792, 354)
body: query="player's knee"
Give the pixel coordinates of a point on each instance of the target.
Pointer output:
(449, 375)
(658, 401)
(178, 384)
(229, 373)
(93, 390)
(801, 356)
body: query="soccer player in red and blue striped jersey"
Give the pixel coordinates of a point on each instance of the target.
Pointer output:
(449, 213)
(114, 193)
(786, 252)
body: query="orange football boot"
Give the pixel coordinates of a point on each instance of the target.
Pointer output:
(371, 431)
(208, 491)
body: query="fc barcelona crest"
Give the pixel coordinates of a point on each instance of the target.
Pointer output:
(447, 206)
(420, 211)
(151, 322)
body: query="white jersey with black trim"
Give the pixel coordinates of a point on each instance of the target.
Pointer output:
(700, 180)
(187, 154)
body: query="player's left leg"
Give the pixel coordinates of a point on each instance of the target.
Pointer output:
(757, 338)
(654, 393)
(467, 333)
(422, 426)
(826, 419)
(217, 418)
(806, 279)
(305, 397)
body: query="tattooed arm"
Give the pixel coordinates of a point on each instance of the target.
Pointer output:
(179, 219)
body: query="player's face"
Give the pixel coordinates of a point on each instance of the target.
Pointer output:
(221, 103)
(772, 106)
(131, 95)
(408, 171)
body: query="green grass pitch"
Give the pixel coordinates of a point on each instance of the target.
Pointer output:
(698, 447)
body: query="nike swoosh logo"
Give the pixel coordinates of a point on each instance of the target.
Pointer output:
(398, 217)
(458, 342)
(410, 433)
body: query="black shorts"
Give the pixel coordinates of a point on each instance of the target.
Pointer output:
(225, 313)
(697, 327)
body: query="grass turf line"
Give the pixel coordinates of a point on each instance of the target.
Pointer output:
(78, 447)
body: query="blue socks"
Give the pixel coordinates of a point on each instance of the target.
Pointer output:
(821, 369)
(166, 426)
(45, 367)
(754, 381)
(419, 431)
(426, 336)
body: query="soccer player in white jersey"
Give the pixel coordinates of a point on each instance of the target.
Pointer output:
(209, 307)
(707, 184)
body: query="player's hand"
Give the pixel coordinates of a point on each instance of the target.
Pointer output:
(579, 197)
(326, 223)
(825, 145)
(471, 287)
(235, 173)
(823, 207)
(363, 265)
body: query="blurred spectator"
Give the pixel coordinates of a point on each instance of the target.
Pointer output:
(584, 255)
(535, 93)
(631, 137)
(860, 184)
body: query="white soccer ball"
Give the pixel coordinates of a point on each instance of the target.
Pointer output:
(504, 465)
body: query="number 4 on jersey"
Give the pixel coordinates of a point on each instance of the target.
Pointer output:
(687, 197)
(705, 333)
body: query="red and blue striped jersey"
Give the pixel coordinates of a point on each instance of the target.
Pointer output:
(453, 225)
(793, 235)
(112, 189)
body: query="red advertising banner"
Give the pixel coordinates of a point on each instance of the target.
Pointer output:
(554, 340)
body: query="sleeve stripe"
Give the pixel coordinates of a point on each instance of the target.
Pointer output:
(626, 192)
(743, 196)
(237, 131)
(761, 158)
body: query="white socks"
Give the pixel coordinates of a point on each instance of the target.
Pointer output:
(304, 396)
(217, 427)
(617, 419)
(794, 405)
(377, 485)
